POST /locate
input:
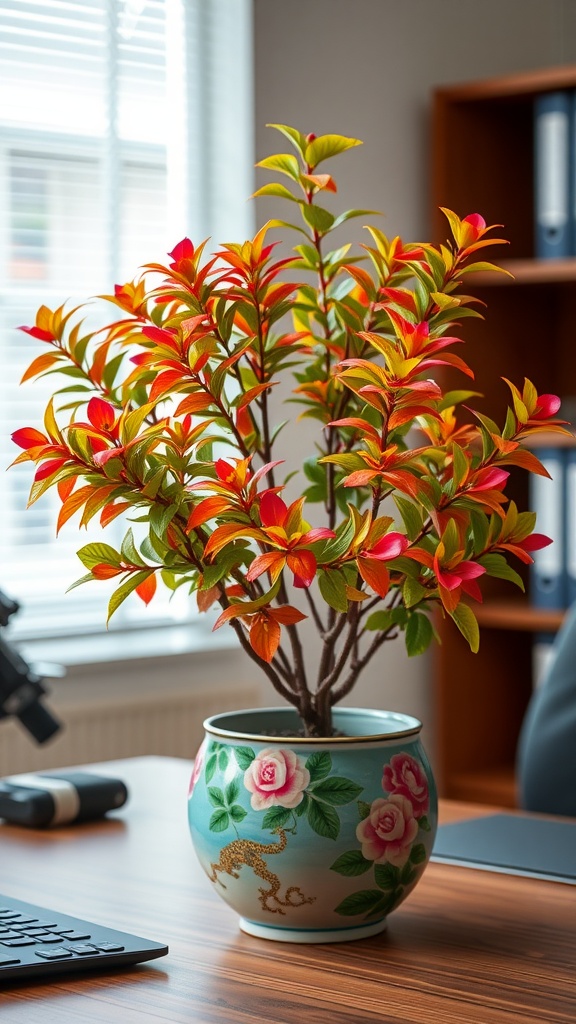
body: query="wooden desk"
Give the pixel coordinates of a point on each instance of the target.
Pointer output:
(467, 947)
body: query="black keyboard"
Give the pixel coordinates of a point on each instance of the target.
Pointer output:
(35, 941)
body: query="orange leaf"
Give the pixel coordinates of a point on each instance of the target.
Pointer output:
(106, 572)
(72, 504)
(41, 363)
(206, 598)
(110, 512)
(287, 614)
(375, 574)
(205, 510)
(164, 383)
(198, 402)
(147, 588)
(264, 636)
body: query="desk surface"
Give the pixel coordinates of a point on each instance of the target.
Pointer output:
(467, 947)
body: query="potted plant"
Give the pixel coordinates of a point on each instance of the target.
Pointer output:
(406, 498)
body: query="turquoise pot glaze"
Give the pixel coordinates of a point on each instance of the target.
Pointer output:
(312, 840)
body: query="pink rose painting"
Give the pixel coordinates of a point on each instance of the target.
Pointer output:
(276, 778)
(389, 830)
(405, 775)
(198, 765)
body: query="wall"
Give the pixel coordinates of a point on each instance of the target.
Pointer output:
(366, 68)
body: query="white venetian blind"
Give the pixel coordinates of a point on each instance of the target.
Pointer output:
(124, 125)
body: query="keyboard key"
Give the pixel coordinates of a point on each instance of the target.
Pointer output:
(50, 937)
(9, 933)
(22, 940)
(54, 954)
(72, 936)
(49, 925)
(109, 947)
(34, 932)
(5, 960)
(22, 919)
(5, 914)
(83, 949)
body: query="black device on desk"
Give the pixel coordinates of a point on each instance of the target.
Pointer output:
(35, 942)
(45, 799)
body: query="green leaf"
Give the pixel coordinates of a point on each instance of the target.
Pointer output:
(232, 792)
(302, 807)
(408, 874)
(424, 824)
(237, 813)
(244, 756)
(351, 864)
(211, 763)
(97, 553)
(296, 138)
(412, 592)
(319, 764)
(129, 551)
(336, 790)
(468, 625)
(411, 516)
(385, 619)
(326, 146)
(332, 585)
(216, 796)
(223, 759)
(275, 189)
(275, 817)
(363, 809)
(362, 902)
(219, 821)
(496, 565)
(419, 634)
(317, 218)
(323, 819)
(386, 876)
(418, 853)
(123, 591)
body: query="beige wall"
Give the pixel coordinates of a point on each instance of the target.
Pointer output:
(366, 68)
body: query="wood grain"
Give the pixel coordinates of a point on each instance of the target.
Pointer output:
(467, 947)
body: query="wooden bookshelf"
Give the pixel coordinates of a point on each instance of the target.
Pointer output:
(483, 161)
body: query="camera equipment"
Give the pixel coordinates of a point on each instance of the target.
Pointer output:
(21, 689)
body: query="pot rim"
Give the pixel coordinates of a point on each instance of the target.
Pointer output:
(411, 726)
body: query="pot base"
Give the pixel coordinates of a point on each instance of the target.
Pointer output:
(279, 934)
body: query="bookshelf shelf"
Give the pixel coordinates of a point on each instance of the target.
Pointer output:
(482, 135)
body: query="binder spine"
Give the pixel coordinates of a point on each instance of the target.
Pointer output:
(553, 114)
(547, 499)
(570, 525)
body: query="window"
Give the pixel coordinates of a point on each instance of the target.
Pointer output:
(124, 125)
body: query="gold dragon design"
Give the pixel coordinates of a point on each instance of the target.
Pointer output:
(248, 852)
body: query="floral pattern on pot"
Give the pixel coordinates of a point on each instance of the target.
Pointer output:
(276, 778)
(389, 832)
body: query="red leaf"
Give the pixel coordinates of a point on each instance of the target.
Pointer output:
(272, 562)
(28, 437)
(101, 414)
(303, 565)
(272, 509)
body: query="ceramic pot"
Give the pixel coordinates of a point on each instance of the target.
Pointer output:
(312, 840)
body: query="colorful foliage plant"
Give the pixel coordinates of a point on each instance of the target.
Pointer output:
(410, 497)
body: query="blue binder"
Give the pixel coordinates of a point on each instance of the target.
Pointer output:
(552, 174)
(570, 524)
(547, 500)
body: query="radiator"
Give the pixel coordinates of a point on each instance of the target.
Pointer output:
(170, 726)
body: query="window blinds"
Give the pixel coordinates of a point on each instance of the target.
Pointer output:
(124, 125)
